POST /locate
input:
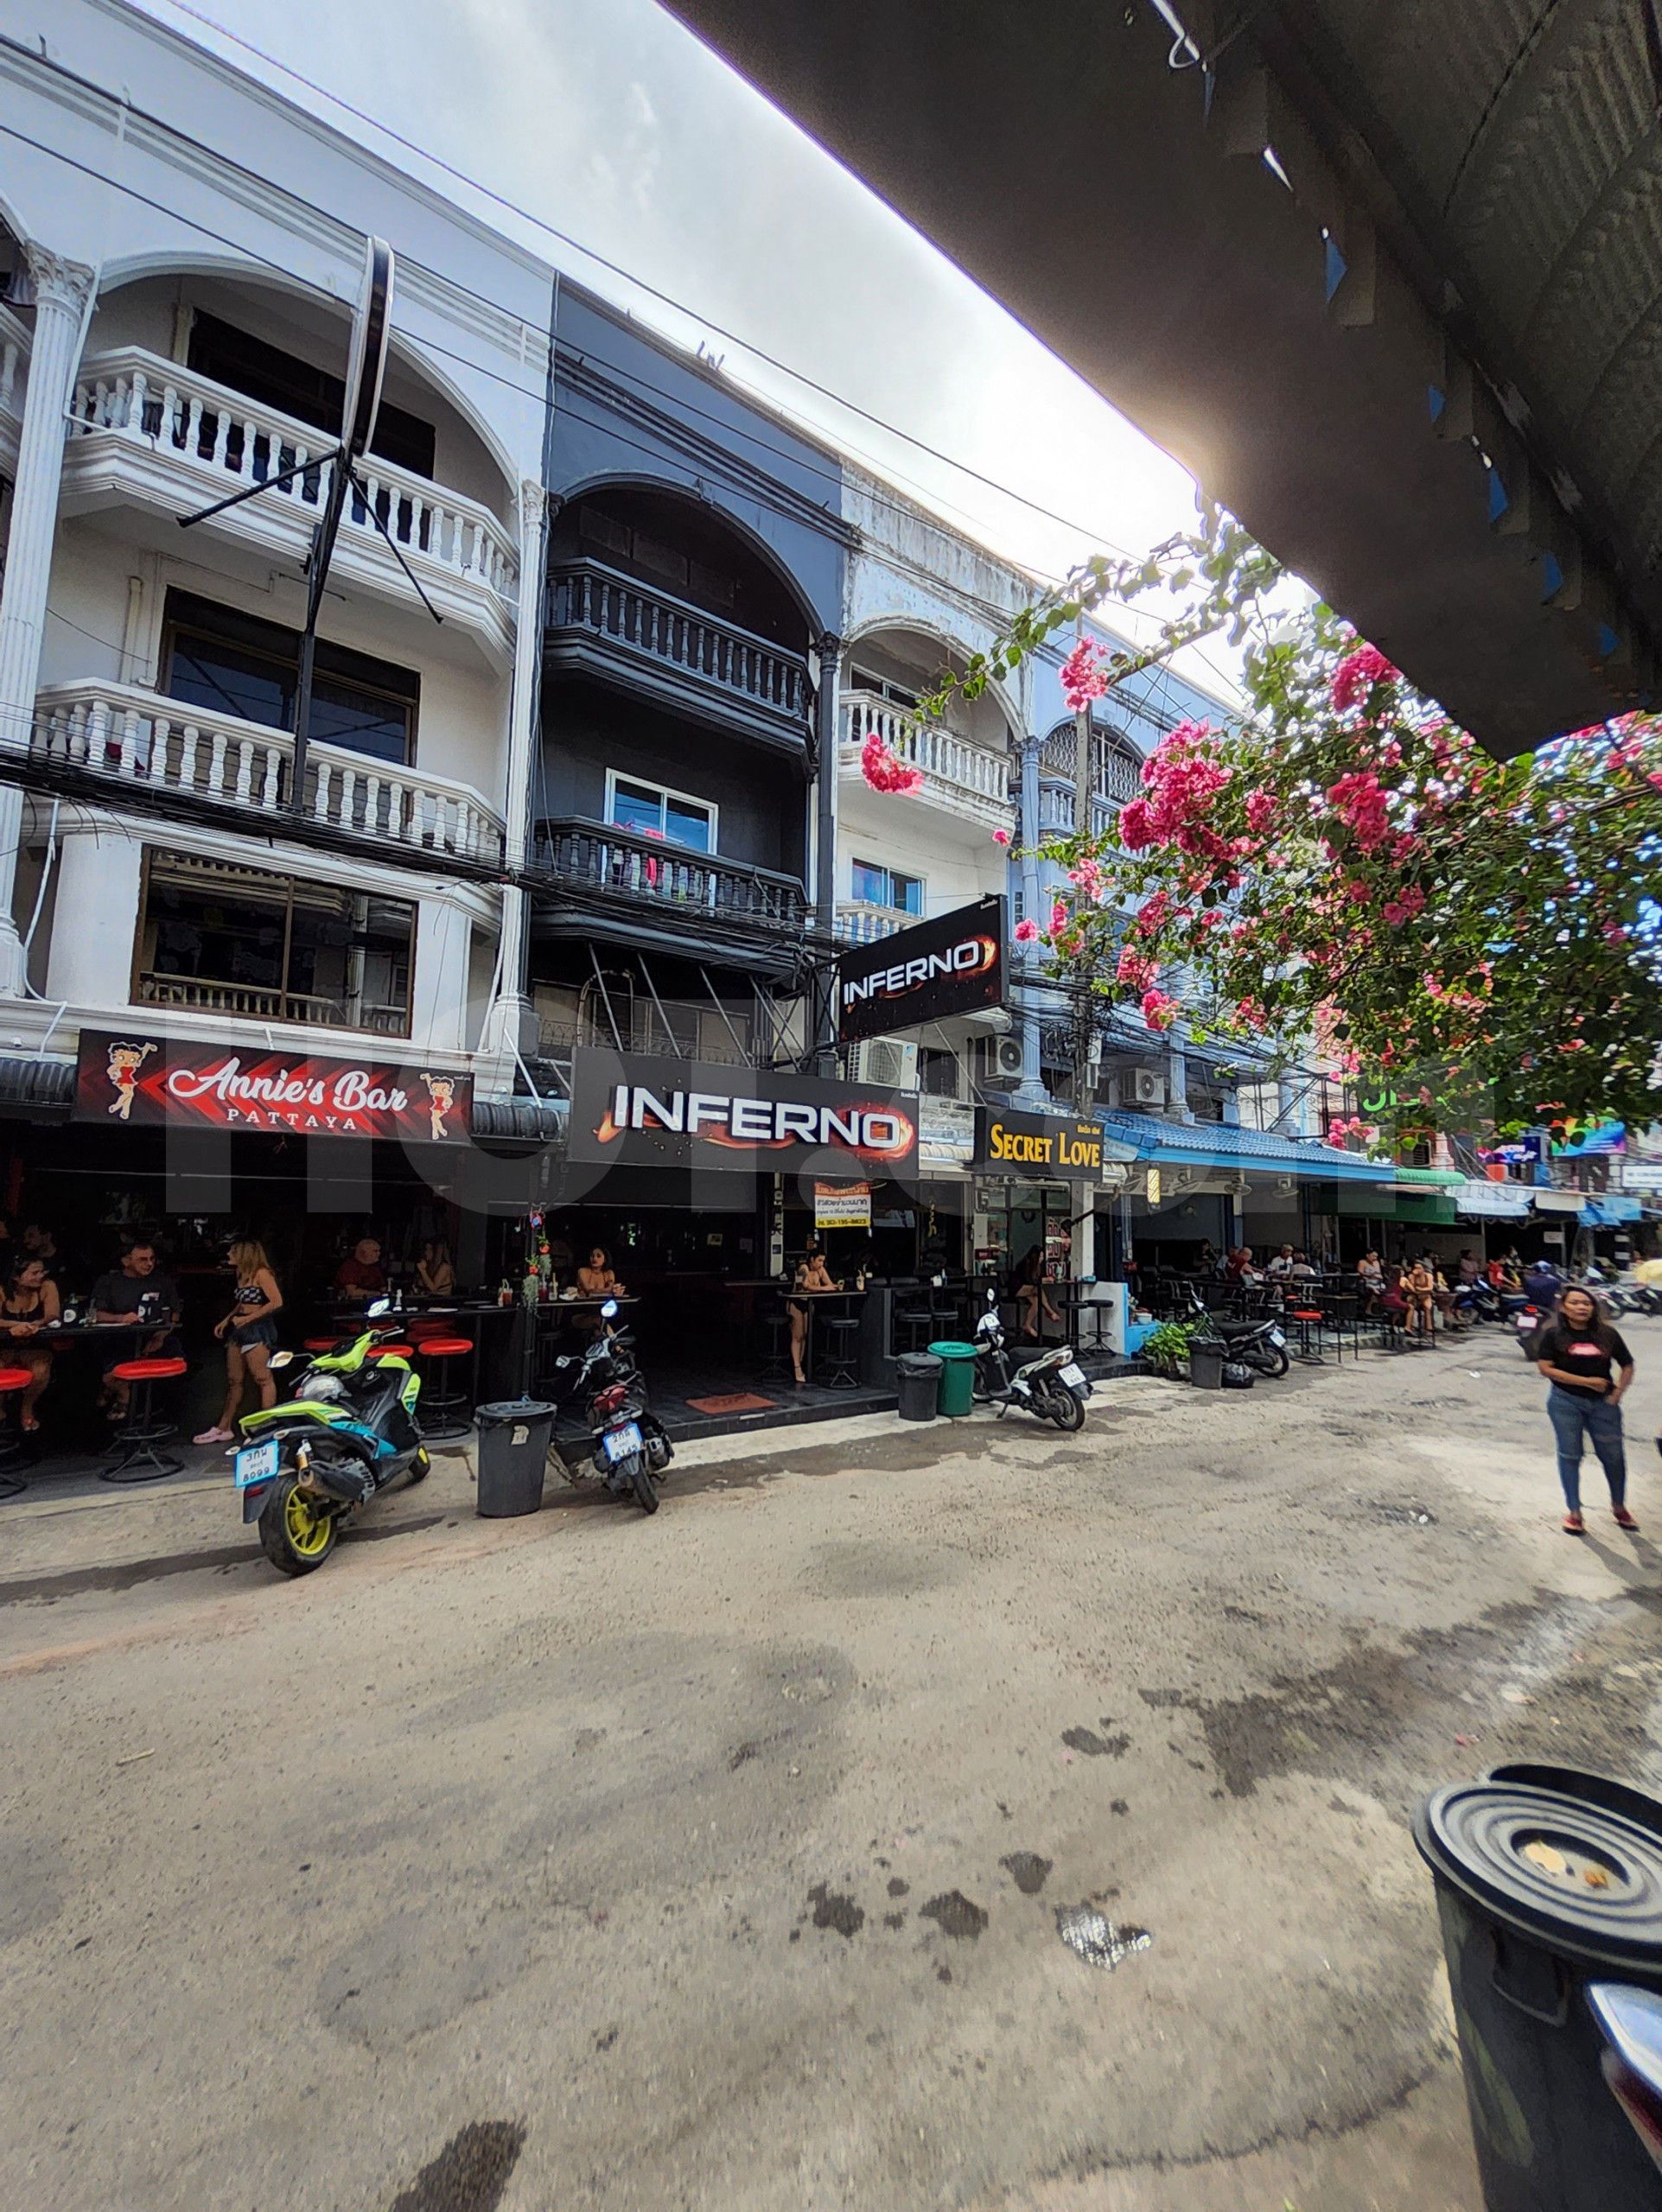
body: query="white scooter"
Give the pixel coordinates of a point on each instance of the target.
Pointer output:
(1054, 1386)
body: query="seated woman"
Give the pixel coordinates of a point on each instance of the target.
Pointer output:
(1371, 1275)
(596, 1278)
(1419, 1292)
(31, 1300)
(811, 1274)
(435, 1276)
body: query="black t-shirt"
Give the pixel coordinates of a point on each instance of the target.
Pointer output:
(139, 1295)
(1577, 1351)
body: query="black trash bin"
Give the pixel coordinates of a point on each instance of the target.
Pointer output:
(920, 1384)
(1541, 1893)
(514, 1436)
(1620, 1797)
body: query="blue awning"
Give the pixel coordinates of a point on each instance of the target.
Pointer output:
(1610, 1212)
(1223, 1145)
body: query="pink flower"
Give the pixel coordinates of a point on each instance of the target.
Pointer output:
(1395, 912)
(1001, 836)
(1057, 917)
(1152, 915)
(1253, 1014)
(1615, 933)
(1087, 877)
(1137, 829)
(1356, 676)
(884, 771)
(1655, 777)
(1025, 933)
(1136, 969)
(1158, 1010)
(1260, 811)
(1083, 678)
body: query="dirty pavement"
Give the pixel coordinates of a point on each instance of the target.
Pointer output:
(902, 1818)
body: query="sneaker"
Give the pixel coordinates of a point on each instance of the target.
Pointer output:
(212, 1436)
(1573, 1525)
(1624, 1519)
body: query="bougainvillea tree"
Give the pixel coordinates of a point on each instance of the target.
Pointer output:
(1340, 868)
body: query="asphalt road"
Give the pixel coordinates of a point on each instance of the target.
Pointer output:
(718, 1859)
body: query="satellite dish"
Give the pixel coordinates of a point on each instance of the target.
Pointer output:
(372, 334)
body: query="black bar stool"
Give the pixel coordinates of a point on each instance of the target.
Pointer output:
(134, 1441)
(839, 1368)
(776, 1360)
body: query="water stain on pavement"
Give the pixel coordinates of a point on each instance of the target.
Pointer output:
(954, 1914)
(470, 2173)
(1094, 1746)
(832, 1911)
(127, 1574)
(1027, 1871)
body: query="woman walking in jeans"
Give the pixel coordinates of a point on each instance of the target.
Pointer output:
(1589, 1367)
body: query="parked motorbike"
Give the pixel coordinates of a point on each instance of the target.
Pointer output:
(1261, 1345)
(305, 1466)
(1478, 1301)
(1630, 2021)
(1054, 1386)
(631, 1448)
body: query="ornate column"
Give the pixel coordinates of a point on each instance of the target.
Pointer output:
(829, 650)
(510, 1014)
(61, 291)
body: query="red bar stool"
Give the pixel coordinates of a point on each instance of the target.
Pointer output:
(1308, 1317)
(445, 1412)
(139, 1434)
(378, 1352)
(319, 1343)
(14, 1380)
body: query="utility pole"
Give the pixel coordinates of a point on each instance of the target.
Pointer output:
(1084, 1011)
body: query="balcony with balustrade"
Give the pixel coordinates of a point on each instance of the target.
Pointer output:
(963, 778)
(643, 889)
(147, 431)
(628, 633)
(1116, 777)
(119, 743)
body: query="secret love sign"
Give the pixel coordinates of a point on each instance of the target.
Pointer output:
(128, 1076)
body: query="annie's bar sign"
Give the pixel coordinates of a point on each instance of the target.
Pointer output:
(129, 1075)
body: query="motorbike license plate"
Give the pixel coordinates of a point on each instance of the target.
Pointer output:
(1073, 1375)
(1278, 1339)
(255, 1463)
(621, 1443)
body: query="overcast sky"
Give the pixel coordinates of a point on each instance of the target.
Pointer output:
(607, 118)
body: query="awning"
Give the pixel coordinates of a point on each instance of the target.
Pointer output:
(1214, 1145)
(37, 1088)
(1484, 1200)
(1410, 1209)
(1559, 1201)
(1426, 1178)
(1610, 1212)
(536, 1121)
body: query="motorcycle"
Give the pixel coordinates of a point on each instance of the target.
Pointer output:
(1052, 1387)
(305, 1466)
(631, 1447)
(1630, 2023)
(1478, 1301)
(1261, 1345)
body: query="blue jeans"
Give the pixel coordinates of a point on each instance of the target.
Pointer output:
(1576, 1420)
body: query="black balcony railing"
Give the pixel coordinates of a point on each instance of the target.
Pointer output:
(593, 608)
(660, 875)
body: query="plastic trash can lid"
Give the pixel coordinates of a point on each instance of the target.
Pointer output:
(512, 1409)
(952, 1350)
(1575, 1877)
(1622, 1798)
(917, 1363)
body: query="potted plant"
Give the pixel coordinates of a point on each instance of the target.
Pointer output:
(1167, 1349)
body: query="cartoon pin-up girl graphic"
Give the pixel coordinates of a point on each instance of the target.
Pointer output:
(440, 1092)
(125, 1062)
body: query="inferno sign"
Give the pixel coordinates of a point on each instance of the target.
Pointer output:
(129, 1076)
(954, 964)
(628, 1107)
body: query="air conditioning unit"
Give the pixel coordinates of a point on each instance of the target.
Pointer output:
(885, 1061)
(1146, 1088)
(998, 1059)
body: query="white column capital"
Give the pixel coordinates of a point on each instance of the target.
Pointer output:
(54, 281)
(533, 505)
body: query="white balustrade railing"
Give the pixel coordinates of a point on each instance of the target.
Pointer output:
(132, 736)
(950, 760)
(1056, 812)
(13, 358)
(859, 923)
(229, 440)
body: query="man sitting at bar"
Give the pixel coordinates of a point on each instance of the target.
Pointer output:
(136, 1291)
(360, 1276)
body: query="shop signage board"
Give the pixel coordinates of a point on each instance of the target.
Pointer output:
(136, 1077)
(842, 1206)
(1037, 1146)
(1493, 1201)
(1642, 1175)
(951, 965)
(646, 1111)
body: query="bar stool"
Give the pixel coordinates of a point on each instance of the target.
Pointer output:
(776, 1360)
(918, 1325)
(445, 1412)
(839, 1368)
(319, 1343)
(378, 1352)
(1308, 1317)
(14, 1380)
(139, 1434)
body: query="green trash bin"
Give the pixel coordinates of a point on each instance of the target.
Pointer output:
(957, 1378)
